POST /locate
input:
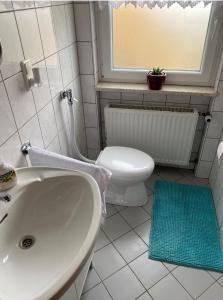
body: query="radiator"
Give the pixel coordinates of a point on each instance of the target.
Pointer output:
(165, 133)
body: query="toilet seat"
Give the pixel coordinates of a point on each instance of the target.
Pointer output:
(126, 163)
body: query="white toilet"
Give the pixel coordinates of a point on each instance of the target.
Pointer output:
(130, 168)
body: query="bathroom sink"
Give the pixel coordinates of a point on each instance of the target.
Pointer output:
(49, 233)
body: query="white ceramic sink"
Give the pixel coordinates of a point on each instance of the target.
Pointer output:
(61, 209)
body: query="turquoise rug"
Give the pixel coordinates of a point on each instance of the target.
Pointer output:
(184, 227)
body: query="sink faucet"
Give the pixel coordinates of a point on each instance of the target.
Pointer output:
(5, 197)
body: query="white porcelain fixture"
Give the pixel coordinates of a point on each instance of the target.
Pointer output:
(57, 210)
(130, 168)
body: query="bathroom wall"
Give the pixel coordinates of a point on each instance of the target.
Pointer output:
(216, 182)
(94, 102)
(44, 32)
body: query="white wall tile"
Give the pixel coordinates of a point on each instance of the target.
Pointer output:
(154, 97)
(47, 124)
(214, 172)
(82, 19)
(209, 149)
(197, 141)
(54, 146)
(12, 49)
(21, 100)
(29, 33)
(74, 60)
(95, 60)
(215, 127)
(200, 108)
(199, 100)
(54, 74)
(203, 169)
(7, 123)
(46, 30)
(60, 26)
(10, 152)
(71, 34)
(178, 98)
(22, 4)
(66, 66)
(91, 115)
(92, 135)
(85, 58)
(93, 153)
(132, 96)
(77, 89)
(31, 132)
(64, 138)
(110, 95)
(88, 88)
(218, 103)
(5, 6)
(42, 3)
(61, 113)
(42, 93)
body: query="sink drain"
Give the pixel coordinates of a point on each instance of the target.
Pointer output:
(27, 242)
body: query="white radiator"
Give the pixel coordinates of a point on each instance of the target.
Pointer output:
(165, 133)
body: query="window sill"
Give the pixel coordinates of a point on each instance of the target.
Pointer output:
(166, 89)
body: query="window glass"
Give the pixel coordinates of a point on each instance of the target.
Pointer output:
(172, 38)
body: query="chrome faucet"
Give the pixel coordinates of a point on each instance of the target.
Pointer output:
(67, 94)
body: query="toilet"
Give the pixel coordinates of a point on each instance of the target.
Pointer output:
(130, 169)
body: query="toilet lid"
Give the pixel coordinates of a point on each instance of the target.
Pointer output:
(124, 161)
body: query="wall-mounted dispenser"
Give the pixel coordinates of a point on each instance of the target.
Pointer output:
(31, 75)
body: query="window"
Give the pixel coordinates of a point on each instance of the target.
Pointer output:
(184, 41)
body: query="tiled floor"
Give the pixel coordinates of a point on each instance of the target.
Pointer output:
(121, 268)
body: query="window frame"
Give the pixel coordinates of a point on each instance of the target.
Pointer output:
(211, 61)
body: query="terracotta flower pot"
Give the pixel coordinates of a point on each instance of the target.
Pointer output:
(155, 82)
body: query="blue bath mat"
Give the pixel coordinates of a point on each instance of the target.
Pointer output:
(184, 228)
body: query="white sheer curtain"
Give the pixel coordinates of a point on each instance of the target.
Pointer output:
(151, 3)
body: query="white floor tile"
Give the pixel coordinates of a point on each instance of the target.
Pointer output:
(221, 281)
(120, 207)
(215, 275)
(101, 241)
(130, 246)
(148, 205)
(169, 288)
(170, 267)
(148, 271)
(169, 173)
(185, 180)
(107, 261)
(143, 231)
(123, 285)
(215, 292)
(97, 293)
(91, 280)
(194, 281)
(111, 210)
(145, 296)
(134, 216)
(152, 180)
(197, 180)
(115, 226)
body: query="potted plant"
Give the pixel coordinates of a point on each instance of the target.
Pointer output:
(156, 78)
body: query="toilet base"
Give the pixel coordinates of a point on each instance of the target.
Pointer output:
(134, 195)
